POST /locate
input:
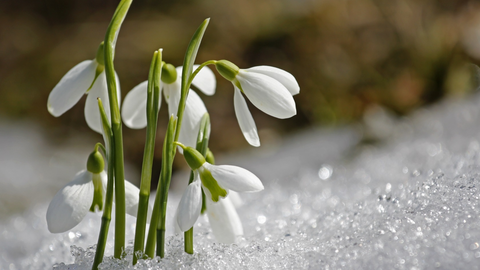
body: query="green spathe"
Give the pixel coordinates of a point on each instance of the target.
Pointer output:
(169, 73)
(95, 162)
(100, 57)
(227, 69)
(194, 158)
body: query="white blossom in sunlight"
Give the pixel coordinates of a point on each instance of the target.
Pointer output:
(77, 82)
(270, 89)
(216, 181)
(71, 203)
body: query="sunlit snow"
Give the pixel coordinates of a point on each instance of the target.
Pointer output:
(410, 201)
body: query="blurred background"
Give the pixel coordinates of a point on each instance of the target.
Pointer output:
(350, 57)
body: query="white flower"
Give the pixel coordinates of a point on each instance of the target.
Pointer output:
(70, 205)
(270, 89)
(74, 85)
(134, 109)
(222, 215)
(216, 181)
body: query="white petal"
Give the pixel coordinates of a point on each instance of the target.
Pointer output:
(175, 223)
(172, 96)
(267, 94)
(245, 119)
(189, 207)
(205, 80)
(71, 87)
(99, 90)
(234, 178)
(280, 75)
(194, 111)
(224, 220)
(104, 178)
(70, 205)
(134, 109)
(235, 198)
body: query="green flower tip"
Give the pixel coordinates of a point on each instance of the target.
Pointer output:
(169, 74)
(95, 162)
(194, 158)
(212, 185)
(227, 69)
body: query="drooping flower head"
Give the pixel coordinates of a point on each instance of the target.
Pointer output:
(86, 192)
(134, 108)
(88, 77)
(216, 181)
(270, 89)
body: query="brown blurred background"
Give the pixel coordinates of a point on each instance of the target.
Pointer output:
(347, 55)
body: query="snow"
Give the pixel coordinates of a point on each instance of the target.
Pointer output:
(409, 201)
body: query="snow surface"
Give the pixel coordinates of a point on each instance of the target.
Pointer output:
(407, 202)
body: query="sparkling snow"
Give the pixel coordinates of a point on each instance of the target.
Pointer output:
(410, 201)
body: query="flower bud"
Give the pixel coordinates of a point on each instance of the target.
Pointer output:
(95, 162)
(169, 73)
(227, 69)
(194, 158)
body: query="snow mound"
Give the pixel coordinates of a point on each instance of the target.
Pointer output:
(410, 202)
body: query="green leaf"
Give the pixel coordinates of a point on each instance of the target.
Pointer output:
(150, 97)
(157, 81)
(169, 145)
(116, 22)
(191, 54)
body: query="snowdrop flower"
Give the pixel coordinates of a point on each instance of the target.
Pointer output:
(88, 77)
(270, 89)
(135, 105)
(215, 181)
(86, 192)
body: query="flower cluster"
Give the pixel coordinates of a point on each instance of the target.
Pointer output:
(269, 89)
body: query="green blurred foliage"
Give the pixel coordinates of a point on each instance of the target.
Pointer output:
(347, 55)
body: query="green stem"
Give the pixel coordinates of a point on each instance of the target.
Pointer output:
(107, 210)
(188, 236)
(163, 191)
(148, 154)
(194, 74)
(202, 146)
(169, 148)
(152, 230)
(188, 61)
(99, 145)
(117, 141)
(158, 217)
(161, 239)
